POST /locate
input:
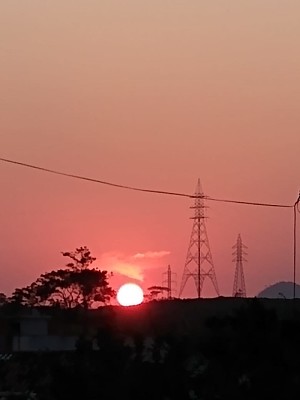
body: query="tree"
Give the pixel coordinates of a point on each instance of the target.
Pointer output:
(76, 285)
(3, 299)
(157, 291)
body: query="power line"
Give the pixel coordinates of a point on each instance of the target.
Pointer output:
(251, 203)
(84, 178)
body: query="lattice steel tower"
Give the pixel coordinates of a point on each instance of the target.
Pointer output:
(169, 281)
(239, 286)
(199, 263)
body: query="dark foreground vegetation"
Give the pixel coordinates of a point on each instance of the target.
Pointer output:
(250, 354)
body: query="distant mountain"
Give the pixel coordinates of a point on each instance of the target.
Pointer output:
(280, 290)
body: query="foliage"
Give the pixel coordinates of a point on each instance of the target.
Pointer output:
(156, 291)
(3, 299)
(76, 285)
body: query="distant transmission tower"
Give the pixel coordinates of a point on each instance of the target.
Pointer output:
(199, 264)
(169, 282)
(239, 287)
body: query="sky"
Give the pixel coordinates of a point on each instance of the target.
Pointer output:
(155, 95)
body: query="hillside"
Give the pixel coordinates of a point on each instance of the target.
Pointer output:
(280, 290)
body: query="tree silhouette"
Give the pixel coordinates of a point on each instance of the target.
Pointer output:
(3, 299)
(76, 285)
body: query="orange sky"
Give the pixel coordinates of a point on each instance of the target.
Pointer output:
(152, 94)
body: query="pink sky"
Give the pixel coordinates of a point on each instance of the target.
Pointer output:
(152, 94)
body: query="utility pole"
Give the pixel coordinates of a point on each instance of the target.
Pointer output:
(296, 209)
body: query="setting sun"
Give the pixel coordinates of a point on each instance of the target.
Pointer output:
(130, 294)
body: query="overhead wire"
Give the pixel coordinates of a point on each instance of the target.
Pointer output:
(251, 203)
(84, 178)
(138, 189)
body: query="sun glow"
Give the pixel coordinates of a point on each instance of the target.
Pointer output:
(130, 294)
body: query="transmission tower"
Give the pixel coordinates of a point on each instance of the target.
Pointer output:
(239, 287)
(199, 263)
(169, 282)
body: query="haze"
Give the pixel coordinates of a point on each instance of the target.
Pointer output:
(151, 94)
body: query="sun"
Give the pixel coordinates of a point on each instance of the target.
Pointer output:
(130, 294)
